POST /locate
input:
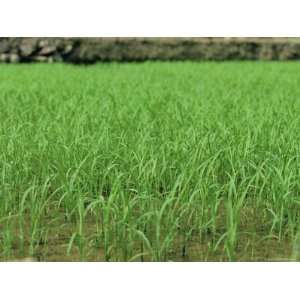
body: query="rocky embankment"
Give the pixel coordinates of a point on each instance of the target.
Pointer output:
(91, 50)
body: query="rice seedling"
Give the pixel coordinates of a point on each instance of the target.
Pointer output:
(150, 162)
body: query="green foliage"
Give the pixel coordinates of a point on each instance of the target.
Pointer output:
(152, 161)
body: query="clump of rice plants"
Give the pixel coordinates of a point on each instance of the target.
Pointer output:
(173, 161)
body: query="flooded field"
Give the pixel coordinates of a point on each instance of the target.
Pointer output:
(150, 162)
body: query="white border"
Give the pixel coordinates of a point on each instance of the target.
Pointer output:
(149, 281)
(139, 18)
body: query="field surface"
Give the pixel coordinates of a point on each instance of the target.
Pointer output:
(150, 162)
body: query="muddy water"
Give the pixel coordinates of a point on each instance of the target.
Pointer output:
(252, 245)
(251, 250)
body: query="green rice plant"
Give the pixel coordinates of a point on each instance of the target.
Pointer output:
(150, 161)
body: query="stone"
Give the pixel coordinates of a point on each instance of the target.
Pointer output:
(28, 47)
(4, 45)
(47, 50)
(67, 49)
(14, 58)
(43, 43)
(4, 57)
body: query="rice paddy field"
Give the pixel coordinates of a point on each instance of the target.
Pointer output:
(173, 161)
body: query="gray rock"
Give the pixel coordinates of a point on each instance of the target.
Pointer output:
(28, 47)
(4, 45)
(4, 57)
(67, 49)
(14, 58)
(47, 50)
(43, 43)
